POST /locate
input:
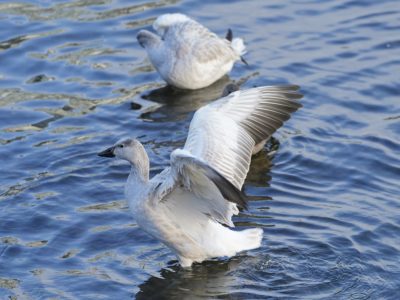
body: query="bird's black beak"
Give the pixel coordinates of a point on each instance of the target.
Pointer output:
(109, 152)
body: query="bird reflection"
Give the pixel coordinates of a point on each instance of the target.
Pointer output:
(168, 103)
(209, 279)
(176, 103)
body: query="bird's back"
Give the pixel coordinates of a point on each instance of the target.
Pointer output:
(198, 56)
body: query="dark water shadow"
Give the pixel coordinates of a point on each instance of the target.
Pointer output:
(210, 279)
(261, 164)
(176, 103)
(171, 104)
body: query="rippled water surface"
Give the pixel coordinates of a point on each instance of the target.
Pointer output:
(73, 80)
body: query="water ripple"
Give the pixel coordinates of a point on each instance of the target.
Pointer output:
(73, 80)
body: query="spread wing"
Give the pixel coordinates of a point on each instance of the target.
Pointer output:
(191, 186)
(208, 173)
(224, 133)
(209, 191)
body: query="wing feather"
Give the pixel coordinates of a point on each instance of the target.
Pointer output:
(224, 133)
(214, 195)
(222, 143)
(203, 44)
(216, 157)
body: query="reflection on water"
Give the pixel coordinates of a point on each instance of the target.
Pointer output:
(325, 190)
(210, 279)
(178, 103)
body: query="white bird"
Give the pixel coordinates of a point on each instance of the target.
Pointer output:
(186, 54)
(190, 204)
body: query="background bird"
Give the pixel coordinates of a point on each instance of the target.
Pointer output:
(186, 54)
(189, 206)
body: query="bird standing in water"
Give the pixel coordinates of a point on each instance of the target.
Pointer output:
(189, 206)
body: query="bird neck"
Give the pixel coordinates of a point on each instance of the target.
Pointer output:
(140, 168)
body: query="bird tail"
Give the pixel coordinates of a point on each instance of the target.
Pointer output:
(238, 46)
(248, 239)
(233, 242)
(223, 241)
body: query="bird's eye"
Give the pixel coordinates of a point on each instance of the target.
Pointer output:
(121, 146)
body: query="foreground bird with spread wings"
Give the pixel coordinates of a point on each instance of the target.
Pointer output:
(186, 54)
(189, 206)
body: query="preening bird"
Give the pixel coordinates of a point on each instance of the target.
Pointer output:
(186, 54)
(190, 204)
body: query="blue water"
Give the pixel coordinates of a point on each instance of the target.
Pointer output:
(73, 80)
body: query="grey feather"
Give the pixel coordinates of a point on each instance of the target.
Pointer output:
(274, 108)
(226, 188)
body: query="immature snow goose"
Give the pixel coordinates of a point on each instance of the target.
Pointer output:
(186, 54)
(189, 206)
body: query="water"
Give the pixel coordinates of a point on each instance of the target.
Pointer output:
(328, 200)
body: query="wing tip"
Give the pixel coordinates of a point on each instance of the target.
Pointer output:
(290, 91)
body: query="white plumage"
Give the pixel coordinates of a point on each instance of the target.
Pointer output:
(186, 54)
(189, 206)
